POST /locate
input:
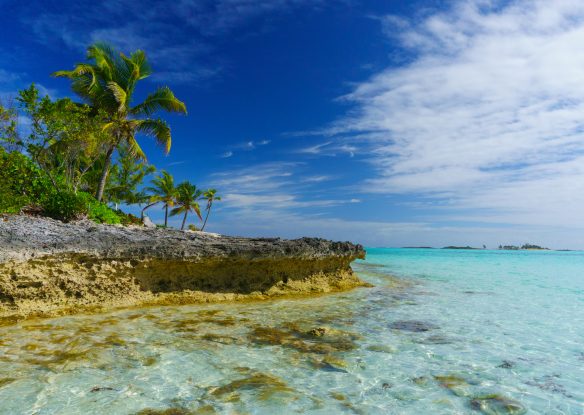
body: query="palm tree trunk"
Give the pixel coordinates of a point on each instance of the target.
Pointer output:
(146, 207)
(166, 216)
(103, 179)
(206, 217)
(184, 221)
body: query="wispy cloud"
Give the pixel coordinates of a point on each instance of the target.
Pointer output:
(487, 114)
(176, 163)
(317, 179)
(330, 148)
(176, 35)
(272, 187)
(260, 178)
(249, 145)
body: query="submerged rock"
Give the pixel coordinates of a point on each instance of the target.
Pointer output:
(49, 267)
(292, 336)
(264, 385)
(415, 326)
(169, 411)
(548, 383)
(436, 339)
(101, 389)
(380, 348)
(420, 380)
(507, 364)
(330, 364)
(497, 405)
(318, 332)
(454, 384)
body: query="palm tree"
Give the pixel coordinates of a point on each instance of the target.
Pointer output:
(186, 201)
(107, 83)
(125, 177)
(163, 191)
(211, 196)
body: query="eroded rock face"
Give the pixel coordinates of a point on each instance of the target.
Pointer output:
(48, 267)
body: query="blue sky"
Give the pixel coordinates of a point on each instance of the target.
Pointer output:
(389, 123)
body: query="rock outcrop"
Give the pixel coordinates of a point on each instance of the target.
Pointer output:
(49, 267)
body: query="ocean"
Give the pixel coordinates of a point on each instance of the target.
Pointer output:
(440, 332)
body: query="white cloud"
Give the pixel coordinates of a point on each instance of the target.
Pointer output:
(273, 188)
(488, 115)
(330, 148)
(176, 163)
(249, 145)
(260, 178)
(317, 179)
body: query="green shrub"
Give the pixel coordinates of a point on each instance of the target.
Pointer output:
(101, 213)
(22, 183)
(64, 205)
(11, 202)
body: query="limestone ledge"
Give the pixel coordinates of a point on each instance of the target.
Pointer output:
(50, 268)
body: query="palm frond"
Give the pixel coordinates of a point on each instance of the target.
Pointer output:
(118, 93)
(197, 210)
(162, 99)
(104, 56)
(158, 129)
(135, 150)
(177, 210)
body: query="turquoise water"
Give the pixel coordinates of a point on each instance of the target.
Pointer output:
(457, 332)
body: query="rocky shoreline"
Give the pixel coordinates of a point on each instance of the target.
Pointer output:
(51, 268)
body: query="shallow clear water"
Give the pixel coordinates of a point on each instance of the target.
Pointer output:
(453, 327)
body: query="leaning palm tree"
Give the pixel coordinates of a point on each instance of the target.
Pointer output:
(187, 200)
(211, 196)
(107, 83)
(163, 191)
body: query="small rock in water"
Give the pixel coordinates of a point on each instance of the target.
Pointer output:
(549, 383)
(420, 380)
(318, 332)
(450, 381)
(330, 364)
(497, 405)
(455, 384)
(413, 325)
(101, 388)
(506, 364)
(327, 367)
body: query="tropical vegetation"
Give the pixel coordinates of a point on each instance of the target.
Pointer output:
(82, 159)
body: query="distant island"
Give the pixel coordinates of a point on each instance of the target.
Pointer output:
(418, 247)
(524, 247)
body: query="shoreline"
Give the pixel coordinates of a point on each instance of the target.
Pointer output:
(49, 268)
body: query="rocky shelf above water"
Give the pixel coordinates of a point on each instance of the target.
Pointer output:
(49, 267)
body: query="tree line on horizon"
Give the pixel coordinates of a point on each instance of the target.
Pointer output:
(83, 158)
